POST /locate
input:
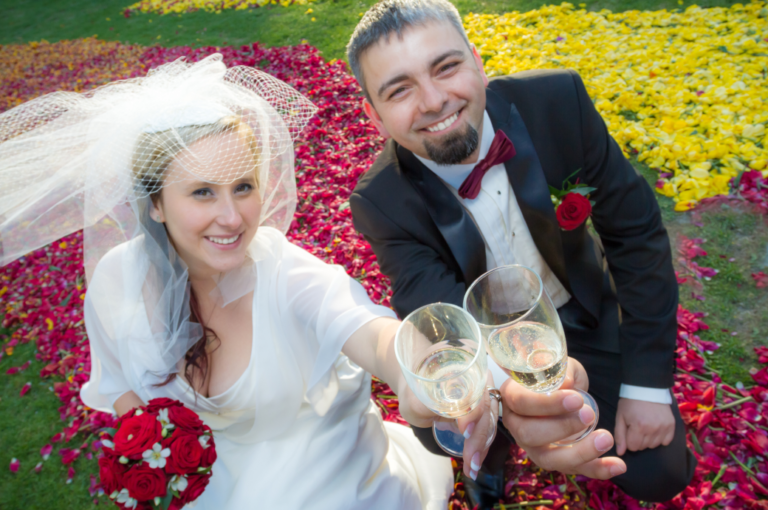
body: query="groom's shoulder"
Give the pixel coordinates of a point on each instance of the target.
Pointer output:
(538, 86)
(385, 173)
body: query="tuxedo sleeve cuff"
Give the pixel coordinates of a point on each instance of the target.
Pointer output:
(657, 395)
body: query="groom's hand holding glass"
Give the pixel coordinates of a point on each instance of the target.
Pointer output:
(537, 420)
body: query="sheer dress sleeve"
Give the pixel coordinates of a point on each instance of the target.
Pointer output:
(328, 306)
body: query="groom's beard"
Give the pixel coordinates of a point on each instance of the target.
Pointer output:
(454, 148)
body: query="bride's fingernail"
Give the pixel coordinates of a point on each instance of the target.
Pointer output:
(475, 462)
(468, 430)
(473, 474)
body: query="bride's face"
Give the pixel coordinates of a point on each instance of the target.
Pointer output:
(211, 225)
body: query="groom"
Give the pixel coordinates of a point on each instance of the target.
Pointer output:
(463, 186)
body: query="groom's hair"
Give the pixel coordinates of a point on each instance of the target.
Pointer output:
(390, 16)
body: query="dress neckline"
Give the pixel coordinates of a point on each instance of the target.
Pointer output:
(211, 399)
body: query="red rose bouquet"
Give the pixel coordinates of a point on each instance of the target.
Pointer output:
(157, 457)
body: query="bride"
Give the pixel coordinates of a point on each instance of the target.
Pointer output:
(184, 183)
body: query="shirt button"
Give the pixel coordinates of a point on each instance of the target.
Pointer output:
(499, 192)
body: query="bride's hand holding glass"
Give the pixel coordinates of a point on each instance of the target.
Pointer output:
(477, 425)
(443, 360)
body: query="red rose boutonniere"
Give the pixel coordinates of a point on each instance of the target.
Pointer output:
(572, 204)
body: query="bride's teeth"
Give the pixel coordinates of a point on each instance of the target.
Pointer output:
(228, 240)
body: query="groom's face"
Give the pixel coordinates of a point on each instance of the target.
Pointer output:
(427, 91)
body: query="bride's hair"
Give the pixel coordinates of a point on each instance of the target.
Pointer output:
(155, 151)
(153, 154)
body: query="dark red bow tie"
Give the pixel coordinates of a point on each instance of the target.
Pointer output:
(501, 150)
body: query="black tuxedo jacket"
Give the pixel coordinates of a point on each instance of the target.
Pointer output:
(430, 247)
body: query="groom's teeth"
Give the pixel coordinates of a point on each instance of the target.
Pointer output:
(226, 240)
(444, 124)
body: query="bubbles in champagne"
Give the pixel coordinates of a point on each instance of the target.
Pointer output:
(533, 354)
(454, 385)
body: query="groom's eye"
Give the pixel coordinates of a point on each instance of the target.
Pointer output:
(448, 67)
(396, 92)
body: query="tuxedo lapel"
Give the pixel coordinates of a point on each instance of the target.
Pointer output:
(529, 184)
(531, 189)
(452, 220)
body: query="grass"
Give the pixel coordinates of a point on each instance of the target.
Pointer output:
(54, 20)
(26, 424)
(736, 241)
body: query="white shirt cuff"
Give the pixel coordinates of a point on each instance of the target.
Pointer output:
(656, 395)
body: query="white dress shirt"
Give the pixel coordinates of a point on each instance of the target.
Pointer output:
(508, 241)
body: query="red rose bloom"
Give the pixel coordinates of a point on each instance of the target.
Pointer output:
(209, 454)
(156, 404)
(186, 419)
(136, 435)
(111, 474)
(186, 453)
(196, 486)
(144, 483)
(573, 211)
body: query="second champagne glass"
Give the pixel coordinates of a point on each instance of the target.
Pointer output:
(523, 332)
(442, 356)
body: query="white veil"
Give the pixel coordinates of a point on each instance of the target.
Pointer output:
(69, 161)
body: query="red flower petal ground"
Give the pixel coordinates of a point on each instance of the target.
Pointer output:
(42, 292)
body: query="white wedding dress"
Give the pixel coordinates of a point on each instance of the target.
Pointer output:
(298, 429)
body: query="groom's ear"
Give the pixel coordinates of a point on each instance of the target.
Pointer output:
(479, 64)
(372, 114)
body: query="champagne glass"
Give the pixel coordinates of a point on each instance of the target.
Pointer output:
(523, 332)
(441, 353)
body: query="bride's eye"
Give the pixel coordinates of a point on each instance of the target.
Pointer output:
(203, 192)
(243, 188)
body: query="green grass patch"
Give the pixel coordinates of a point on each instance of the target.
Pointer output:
(736, 241)
(55, 20)
(26, 424)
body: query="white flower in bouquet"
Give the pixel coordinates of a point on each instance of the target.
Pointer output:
(156, 456)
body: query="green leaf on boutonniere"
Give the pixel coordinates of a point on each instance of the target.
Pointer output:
(586, 190)
(577, 187)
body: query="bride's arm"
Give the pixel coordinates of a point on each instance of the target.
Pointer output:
(372, 347)
(126, 402)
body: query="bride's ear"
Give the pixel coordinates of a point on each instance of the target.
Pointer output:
(156, 211)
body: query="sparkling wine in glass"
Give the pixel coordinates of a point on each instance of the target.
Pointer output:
(441, 353)
(523, 332)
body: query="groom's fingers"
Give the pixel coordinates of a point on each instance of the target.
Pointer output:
(575, 376)
(580, 458)
(542, 431)
(525, 402)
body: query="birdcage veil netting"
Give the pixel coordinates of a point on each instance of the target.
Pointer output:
(94, 161)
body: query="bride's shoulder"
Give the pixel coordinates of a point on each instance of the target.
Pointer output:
(116, 262)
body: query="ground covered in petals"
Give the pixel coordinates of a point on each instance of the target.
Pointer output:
(41, 294)
(684, 91)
